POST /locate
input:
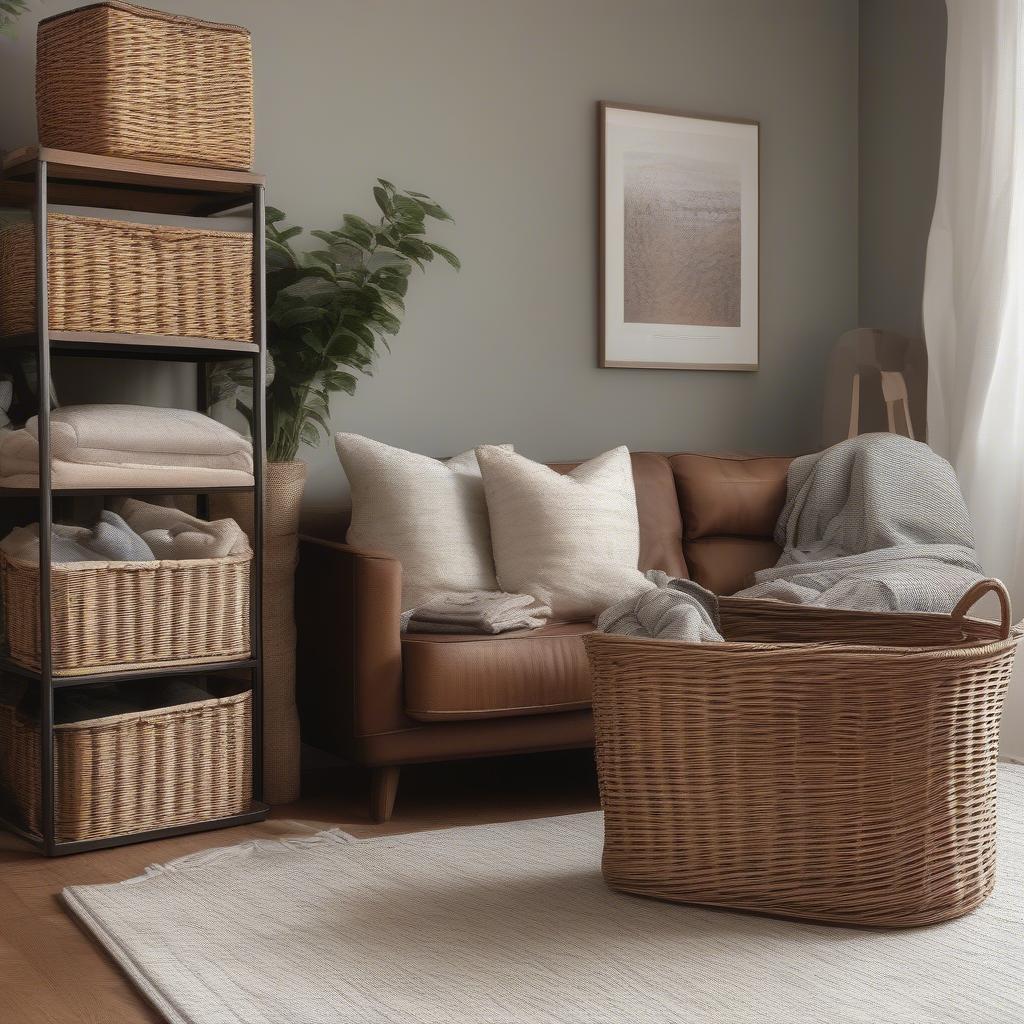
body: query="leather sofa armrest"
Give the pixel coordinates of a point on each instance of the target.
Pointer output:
(349, 649)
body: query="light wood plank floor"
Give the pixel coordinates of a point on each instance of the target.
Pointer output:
(51, 972)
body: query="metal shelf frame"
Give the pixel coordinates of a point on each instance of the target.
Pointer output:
(205, 192)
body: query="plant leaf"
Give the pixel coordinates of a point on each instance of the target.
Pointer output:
(446, 254)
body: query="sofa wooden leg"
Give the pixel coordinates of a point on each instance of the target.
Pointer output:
(383, 789)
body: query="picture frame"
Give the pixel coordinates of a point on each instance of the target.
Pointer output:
(679, 245)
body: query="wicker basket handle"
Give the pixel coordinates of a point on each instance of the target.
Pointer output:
(976, 593)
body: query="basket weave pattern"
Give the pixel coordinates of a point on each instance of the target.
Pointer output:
(123, 81)
(134, 772)
(122, 615)
(823, 769)
(115, 276)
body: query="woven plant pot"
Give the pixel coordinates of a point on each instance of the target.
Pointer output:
(285, 483)
(123, 81)
(118, 616)
(133, 772)
(823, 764)
(125, 278)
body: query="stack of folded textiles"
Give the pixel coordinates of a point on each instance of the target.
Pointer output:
(128, 446)
(140, 533)
(476, 611)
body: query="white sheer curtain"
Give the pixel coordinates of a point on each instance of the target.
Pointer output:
(974, 279)
(974, 292)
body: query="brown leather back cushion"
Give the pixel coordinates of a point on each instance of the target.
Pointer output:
(661, 528)
(727, 564)
(739, 497)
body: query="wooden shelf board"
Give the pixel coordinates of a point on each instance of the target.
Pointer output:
(129, 675)
(20, 195)
(86, 179)
(117, 492)
(104, 344)
(91, 167)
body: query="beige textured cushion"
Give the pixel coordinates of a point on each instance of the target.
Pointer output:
(573, 540)
(429, 514)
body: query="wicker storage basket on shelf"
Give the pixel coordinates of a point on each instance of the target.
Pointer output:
(124, 81)
(120, 277)
(133, 772)
(116, 616)
(823, 764)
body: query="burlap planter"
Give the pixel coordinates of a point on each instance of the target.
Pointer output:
(285, 483)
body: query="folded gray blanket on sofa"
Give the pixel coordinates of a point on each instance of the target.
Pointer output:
(874, 523)
(475, 611)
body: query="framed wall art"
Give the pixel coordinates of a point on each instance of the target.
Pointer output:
(678, 260)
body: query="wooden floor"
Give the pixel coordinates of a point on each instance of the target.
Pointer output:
(51, 972)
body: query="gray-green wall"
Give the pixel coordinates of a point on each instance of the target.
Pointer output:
(902, 71)
(489, 106)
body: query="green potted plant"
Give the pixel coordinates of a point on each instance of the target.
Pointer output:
(10, 11)
(330, 312)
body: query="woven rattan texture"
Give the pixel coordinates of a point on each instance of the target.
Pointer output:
(113, 616)
(134, 772)
(836, 768)
(115, 276)
(122, 81)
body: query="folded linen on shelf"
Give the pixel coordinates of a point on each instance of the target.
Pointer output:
(110, 540)
(137, 537)
(125, 445)
(475, 611)
(171, 533)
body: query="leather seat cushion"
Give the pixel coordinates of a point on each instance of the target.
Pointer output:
(539, 671)
(661, 527)
(726, 564)
(740, 497)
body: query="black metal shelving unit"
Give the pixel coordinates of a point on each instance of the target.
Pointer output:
(36, 178)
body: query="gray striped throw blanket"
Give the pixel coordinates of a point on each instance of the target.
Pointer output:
(875, 523)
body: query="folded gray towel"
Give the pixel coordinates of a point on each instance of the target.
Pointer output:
(475, 611)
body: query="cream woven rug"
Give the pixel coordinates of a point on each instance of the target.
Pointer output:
(511, 923)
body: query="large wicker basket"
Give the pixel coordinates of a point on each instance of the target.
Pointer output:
(117, 616)
(133, 772)
(124, 81)
(121, 277)
(823, 764)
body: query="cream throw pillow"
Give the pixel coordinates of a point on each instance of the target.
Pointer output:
(429, 514)
(573, 540)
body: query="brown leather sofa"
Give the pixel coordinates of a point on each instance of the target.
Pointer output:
(383, 700)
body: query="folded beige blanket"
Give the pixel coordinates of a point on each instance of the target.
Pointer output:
(99, 435)
(128, 445)
(171, 533)
(476, 611)
(65, 474)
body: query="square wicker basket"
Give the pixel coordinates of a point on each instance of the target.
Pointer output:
(133, 772)
(112, 276)
(124, 81)
(116, 616)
